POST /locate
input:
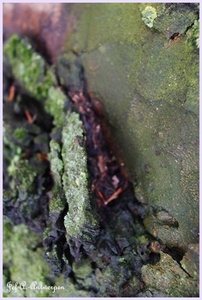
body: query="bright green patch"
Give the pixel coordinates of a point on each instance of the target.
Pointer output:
(149, 14)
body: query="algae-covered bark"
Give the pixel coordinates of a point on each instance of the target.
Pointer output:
(171, 19)
(147, 78)
(23, 262)
(167, 277)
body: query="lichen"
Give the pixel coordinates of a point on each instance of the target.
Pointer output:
(20, 133)
(69, 200)
(58, 200)
(178, 85)
(171, 18)
(149, 14)
(69, 166)
(82, 269)
(55, 105)
(135, 125)
(28, 66)
(12, 153)
(75, 177)
(23, 176)
(35, 76)
(19, 254)
(193, 34)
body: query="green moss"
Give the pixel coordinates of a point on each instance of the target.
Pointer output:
(82, 269)
(193, 34)
(55, 105)
(22, 262)
(70, 289)
(118, 50)
(149, 14)
(56, 163)
(35, 76)
(27, 65)
(23, 176)
(21, 136)
(20, 133)
(174, 18)
(11, 152)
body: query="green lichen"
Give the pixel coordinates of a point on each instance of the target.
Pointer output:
(27, 66)
(55, 105)
(16, 158)
(35, 76)
(193, 34)
(71, 290)
(82, 269)
(20, 133)
(70, 193)
(12, 153)
(58, 200)
(56, 163)
(149, 14)
(75, 178)
(135, 123)
(68, 165)
(21, 262)
(23, 176)
(67, 157)
(174, 65)
(171, 18)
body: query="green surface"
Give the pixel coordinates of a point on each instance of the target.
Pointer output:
(149, 85)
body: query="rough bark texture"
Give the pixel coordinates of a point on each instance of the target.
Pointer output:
(142, 62)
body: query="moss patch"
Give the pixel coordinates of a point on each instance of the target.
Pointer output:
(28, 67)
(19, 254)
